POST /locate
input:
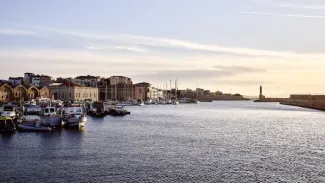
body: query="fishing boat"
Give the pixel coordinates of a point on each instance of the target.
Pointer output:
(36, 127)
(31, 113)
(117, 111)
(140, 103)
(7, 124)
(50, 117)
(97, 109)
(74, 116)
(10, 111)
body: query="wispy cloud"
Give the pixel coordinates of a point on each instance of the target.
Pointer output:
(7, 31)
(176, 43)
(301, 6)
(284, 15)
(133, 49)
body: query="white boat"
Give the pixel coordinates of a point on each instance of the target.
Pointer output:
(141, 103)
(35, 127)
(50, 117)
(148, 102)
(9, 111)
(169, 101)
(31, 114)
(176, 102)
(74, 116)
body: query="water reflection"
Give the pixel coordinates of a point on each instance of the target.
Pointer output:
(7, 138)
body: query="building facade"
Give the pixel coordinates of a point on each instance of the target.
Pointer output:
(46, 80)
(73, 92)
(116, 80)
(36, 80)
(88, 81)
(16, 80)
(10, 93)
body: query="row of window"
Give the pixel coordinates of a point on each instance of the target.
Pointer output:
(78, 95)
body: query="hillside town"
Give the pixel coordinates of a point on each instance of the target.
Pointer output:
(96, 88)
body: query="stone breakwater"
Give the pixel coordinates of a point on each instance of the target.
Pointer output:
(311, 104)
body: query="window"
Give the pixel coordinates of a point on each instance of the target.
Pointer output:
(89, 94)
(69, 94)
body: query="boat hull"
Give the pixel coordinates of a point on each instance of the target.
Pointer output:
(51, 121)
(76, 122)
(31, 128)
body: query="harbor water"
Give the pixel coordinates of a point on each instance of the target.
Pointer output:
(206, 142)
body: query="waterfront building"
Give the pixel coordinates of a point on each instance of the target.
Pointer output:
(88, 81)
(116, 88)
(6, 92)
(36, 80)
(115, 80)
(73, 92)
(141, 91)
(200, 91)
(28, 78)
(16, 80)
(188, 93)
(46, 80)
(19, 93)
(10, 92)
(60, 80)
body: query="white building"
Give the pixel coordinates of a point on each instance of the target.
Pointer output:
(36, 80)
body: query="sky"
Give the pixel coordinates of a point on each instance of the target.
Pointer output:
(231, 46)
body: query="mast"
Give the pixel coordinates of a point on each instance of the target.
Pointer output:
(176, 89)
(105, 90)
(115, 90)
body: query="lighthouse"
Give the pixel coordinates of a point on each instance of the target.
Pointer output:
(261, 96)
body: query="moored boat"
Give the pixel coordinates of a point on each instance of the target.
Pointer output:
(74, 117)
(6, 124)
(37, 127)
(50, 117)
(10, 111)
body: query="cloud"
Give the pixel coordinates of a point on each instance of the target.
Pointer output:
(133, 49)
(7, 31)
(284, 15)
(301, 6)
(176, 43)
(239, 69)
(135, 43)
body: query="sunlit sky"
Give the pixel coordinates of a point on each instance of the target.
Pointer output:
(228, 45)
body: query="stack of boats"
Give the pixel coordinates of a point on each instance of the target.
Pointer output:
(33, 117)
(100, 109)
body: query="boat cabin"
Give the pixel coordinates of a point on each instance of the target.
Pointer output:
(48, 111)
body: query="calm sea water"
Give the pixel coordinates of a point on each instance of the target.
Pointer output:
(207, 142)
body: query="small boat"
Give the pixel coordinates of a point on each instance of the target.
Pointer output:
(9, 110)
(37, 127)
(97, 109)
(117, 111)
(31, 114)
(50, 117)
(7, 124)
(141, 103)
(176, 102)
(74, 116)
